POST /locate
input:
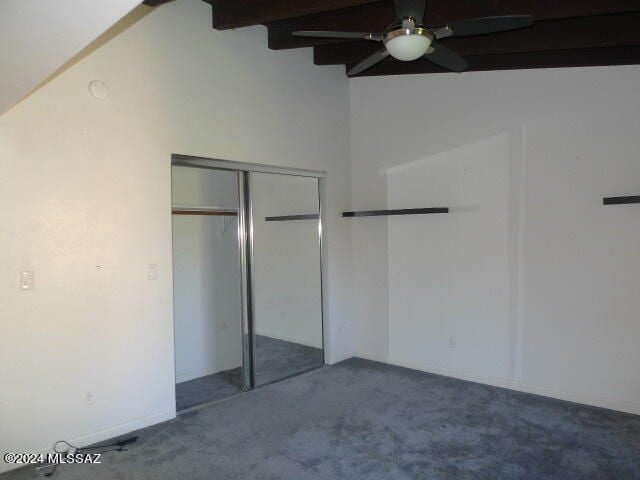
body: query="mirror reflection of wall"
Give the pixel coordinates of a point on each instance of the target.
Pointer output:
(207, 297)
(287, 279)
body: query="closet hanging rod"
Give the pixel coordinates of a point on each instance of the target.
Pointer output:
(621, 200)
(402, 211)
(286, 218)
(185, 210)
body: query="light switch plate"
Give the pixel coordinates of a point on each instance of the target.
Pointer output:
(27, 280)
(152, 271)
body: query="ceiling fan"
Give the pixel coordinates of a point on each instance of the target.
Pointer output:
(407, 39)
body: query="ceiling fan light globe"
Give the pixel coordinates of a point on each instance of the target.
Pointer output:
(408, 47)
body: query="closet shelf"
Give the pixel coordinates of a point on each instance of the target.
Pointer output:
(402, 211)
(621, 200)
(286, 218)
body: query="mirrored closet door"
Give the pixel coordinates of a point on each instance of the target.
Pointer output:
(247, 249)
(208, 310)
(287, 280)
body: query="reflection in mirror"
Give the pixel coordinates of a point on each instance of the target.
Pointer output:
(286, 276)
(207, 296)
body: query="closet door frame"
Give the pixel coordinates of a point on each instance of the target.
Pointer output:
(245, 241)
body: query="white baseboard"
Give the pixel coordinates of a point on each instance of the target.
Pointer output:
(339, 358)
(286, 338)
(103, 435)
(526, 387)
(186, 376)
(376, 358)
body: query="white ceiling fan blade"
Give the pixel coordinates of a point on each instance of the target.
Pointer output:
(446, 58)
(483, 25)
(369, 62)
(328, 34)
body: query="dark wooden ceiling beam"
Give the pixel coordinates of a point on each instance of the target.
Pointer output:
(586, 57)
(377, 16)
(567, 34)
(241, 13)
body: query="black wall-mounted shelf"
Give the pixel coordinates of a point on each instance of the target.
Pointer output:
(403, 211)
(621, 200)
(286, 218)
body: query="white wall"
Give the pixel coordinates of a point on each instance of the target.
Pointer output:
(207, 308)
(286, 263)
(86, 183)
(56, 32)
(530, 276)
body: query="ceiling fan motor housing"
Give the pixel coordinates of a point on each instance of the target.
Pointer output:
(408, 41)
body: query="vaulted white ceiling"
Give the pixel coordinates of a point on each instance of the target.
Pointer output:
(39, 36)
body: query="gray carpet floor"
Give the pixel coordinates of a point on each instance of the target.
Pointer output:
(365, 420)
(209, 388)
(275, 359)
